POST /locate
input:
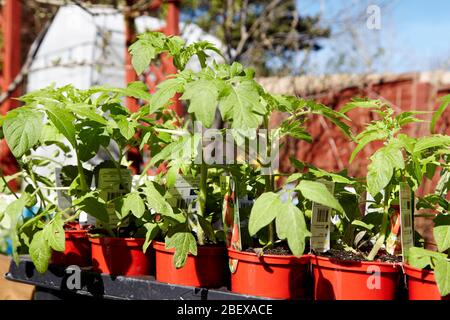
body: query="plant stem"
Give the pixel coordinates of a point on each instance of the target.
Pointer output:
(83, 182)
(33, 178)
(203, 188)
(384, 227)
(7, 185)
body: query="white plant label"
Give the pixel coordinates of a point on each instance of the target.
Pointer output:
(321, 223)
(112, 186)
(184, 192)
(406, 218)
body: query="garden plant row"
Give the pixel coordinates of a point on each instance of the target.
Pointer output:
(225, 223)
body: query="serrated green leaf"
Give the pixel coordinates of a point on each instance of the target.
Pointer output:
(318, 192)
(419, 257)
(13, 212)
(319, 173)
(93, 205)
(442, 276)
(441, 232)
(133, 203)
(127, 127)
(241, 104)
(156, 201)
(264, 211)
(203, 95)
(437, 115)
(431, 142)
(166, 90)
(40, 252)
(361, 103)
(364, 139)
(291, 225)
(152, 232)
(183, 243)
(63, 121)
(53, 233)
(22, 129)
(381, 168)
(86, 111)
(142, 53)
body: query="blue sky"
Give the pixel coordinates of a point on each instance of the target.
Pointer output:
(414, 34)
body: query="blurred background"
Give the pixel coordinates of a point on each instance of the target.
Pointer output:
(326, 50)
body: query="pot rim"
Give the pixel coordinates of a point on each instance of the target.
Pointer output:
(353, 266)
(268, 258)
(76, 233)
(419, 274)
(116, 241)
(211, 250)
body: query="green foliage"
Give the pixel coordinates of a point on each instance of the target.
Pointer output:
(184, 244)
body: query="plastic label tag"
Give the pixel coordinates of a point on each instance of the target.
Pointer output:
(321, 223)
(112, 186)
(407, 219)
(184, 192)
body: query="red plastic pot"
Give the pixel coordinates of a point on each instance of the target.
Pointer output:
(351, 280)
(271, 276)
(120, 256)
(422, 284)
(77, 251)
(208, 269)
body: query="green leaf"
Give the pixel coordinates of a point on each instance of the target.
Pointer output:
(152, 232)
(318, 192)
(364, 139)
(382, 166)
(437, 115)
(361, 103)
(54, 234)
(291, 225)
(22, 130)
(241, 104)
(86, 111)
(166, 90)
(134, 203)
(63, 121)
(203, 95)
(442, 276)
(422, 258)
(13, 212)
(183, 243)
(126, 127)
(319, 173)
(408, 117)
(156, 201)
(264, 211)
(40, 252)
(94, 206)
(431, 142)
(442, 232)
(141, 56)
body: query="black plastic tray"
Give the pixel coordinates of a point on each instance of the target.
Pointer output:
(53, 285)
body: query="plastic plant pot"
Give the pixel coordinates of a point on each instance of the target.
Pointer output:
(77, 251)
(120, 256)
(208, 269)
(354, 280)
(271, 276)
(422, 284)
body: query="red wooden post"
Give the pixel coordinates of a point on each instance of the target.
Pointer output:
(11, 27)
